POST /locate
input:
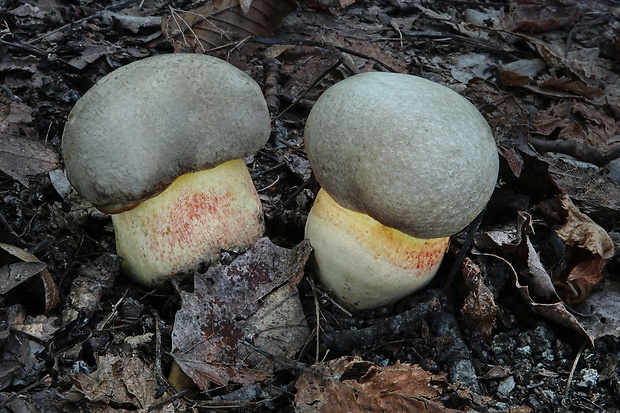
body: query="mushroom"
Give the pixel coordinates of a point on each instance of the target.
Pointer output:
(159, 144)
(404, 163)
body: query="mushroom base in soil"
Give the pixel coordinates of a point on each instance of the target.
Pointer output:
(407, 163)
(191, 222)
(363, 263)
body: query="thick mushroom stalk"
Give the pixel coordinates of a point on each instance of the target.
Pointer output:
(364, 263)
(159, 144)
(192, 221)
(404, 163)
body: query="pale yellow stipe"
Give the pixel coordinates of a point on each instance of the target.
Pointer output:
(363, 263)
(195, 218)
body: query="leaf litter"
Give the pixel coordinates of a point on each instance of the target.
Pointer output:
(253, 300)
(546, 78)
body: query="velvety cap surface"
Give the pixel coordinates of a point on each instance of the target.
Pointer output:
(147, 123)
(414, 155)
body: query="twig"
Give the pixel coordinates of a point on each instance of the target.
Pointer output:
(572, 370)
(272, 84)
(395, 326)
(579, 150)
(159, 373)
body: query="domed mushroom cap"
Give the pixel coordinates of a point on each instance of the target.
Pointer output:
(146, 123)
(414, 155)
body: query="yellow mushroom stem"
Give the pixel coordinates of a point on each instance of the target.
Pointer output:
(363, 263)
(190, 222)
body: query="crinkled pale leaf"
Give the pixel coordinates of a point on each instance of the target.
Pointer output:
(353, 385)
(252, 300)
(118, 381)
(40, 327)
(93, 280)
(555, 311)
(223, 22)
(14, 272)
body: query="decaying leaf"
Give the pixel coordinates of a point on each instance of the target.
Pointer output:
(530, 17)
(588, 247)
(251, 301)
(40, 327)
(22, 360)
(92, 282)
(223, 22)
(479, 309)
(604, 305)
(577, 121)
(350, 384)
(19, 155)
(520, 72)
(515, 242)
(118, 381)
(19, 266)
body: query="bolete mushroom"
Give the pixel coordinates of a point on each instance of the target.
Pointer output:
(404, 163)
(159, 144)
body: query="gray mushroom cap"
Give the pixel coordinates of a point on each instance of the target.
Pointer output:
(146, 123)
(414, 155)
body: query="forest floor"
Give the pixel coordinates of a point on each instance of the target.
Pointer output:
(528, 323)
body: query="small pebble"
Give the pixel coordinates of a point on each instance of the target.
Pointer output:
(525, 351)
(506, 386)
(589, 378)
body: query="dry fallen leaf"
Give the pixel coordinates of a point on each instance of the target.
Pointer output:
(118, 381)
(604, 317)
(93, 280)
(588, 247)
(18, 266)
(251, 304)
(21, 156)
(513, 247)
(222, 22)
(350, 384)
(479, 309)
(528, 17)
(514, 242)
(23, 357)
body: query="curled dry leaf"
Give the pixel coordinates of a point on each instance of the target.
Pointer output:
(513, 241)
(350, 384)
(479, 309)
(588, 247)
(223, 22)
(252, 300)
(118, 381)
(19, 155)
(18, 266)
